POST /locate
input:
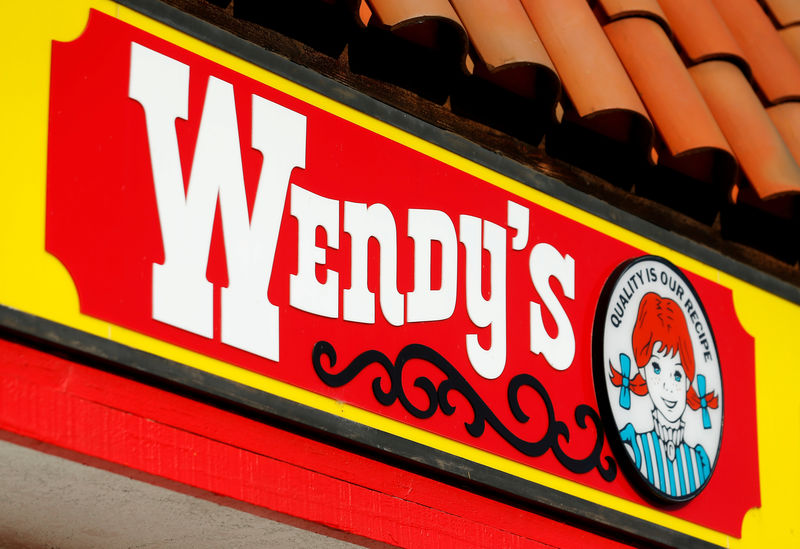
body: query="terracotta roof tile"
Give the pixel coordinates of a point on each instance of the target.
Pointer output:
(701, 31)
(515, 58)
(364, 13)
(762, 154)
(591, 73)
(617, 9)
(419, 21)
(785, 12)
(399, 12)
(786, 118)
(791, 37)
(775, 70)
(694, 142)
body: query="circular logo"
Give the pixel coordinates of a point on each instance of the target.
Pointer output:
(658, 380)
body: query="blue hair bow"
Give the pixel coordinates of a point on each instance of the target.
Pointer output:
(625, 389)
(701, 386)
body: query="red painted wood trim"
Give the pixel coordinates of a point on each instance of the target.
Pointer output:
(125, 422)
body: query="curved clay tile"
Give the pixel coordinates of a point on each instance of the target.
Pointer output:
(775, 70)
(398, 12)
(691, 135)
(701, 31)
(513, 58)
(420, 21)
(791, 37)
(617, 9)
(364, 13)
(762, 154)
(591, 73)
(785, 12)
(786, 118)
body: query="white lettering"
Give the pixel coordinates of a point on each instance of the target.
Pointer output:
(488, 363)
(363, 223)
(546, 262)
(182, 296)
(305, 291)
(424, 303)
(519, 220)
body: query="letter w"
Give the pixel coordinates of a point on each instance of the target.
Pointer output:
(182, 296)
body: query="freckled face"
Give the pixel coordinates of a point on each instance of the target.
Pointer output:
(667, 383)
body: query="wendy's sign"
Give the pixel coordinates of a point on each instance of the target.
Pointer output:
(212, 211)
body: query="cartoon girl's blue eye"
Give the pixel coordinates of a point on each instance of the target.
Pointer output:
(678, 376)
(656, 368)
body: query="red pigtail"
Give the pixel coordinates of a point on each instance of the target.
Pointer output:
(637, 385)
(694, 401)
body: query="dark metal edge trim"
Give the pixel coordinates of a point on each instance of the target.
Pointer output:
(456, 144)
(80, 343)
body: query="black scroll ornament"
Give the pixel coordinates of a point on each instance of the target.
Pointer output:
(438, 399)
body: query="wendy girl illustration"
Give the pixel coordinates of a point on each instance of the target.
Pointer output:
(665, 376)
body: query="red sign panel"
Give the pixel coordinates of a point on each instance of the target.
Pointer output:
(206, 209)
